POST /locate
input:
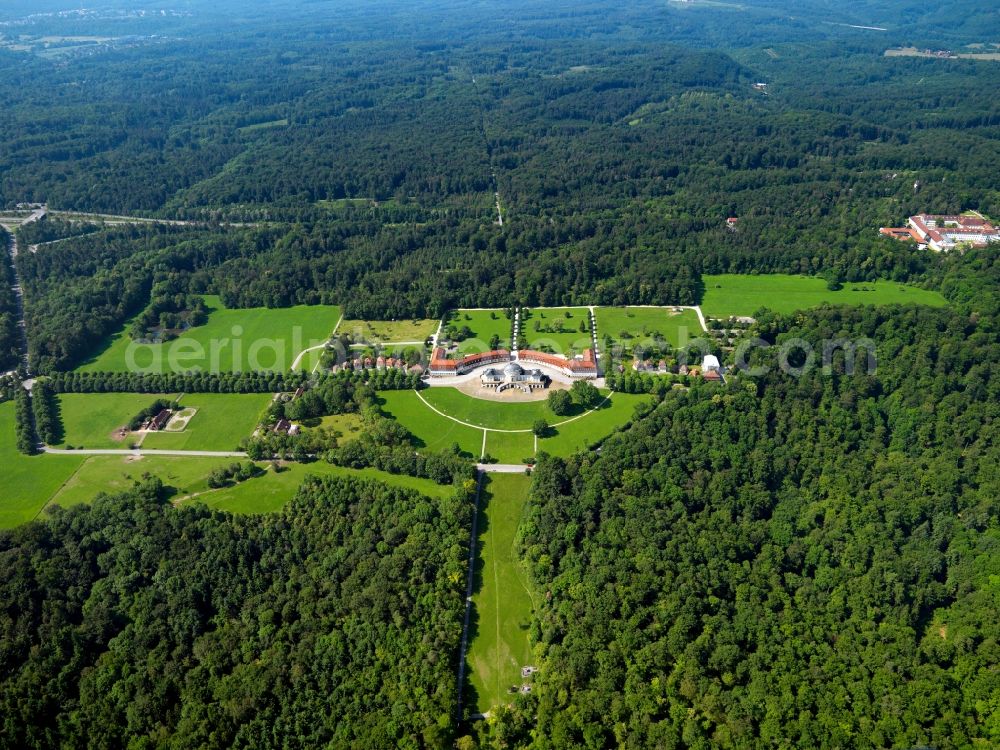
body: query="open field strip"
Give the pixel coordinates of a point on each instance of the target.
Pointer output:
(29, 481)
(743, 294)
(186, 481)
(257, 338)
(502, 602)
(141, 452)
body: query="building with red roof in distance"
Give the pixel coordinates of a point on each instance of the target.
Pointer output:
(943, 233)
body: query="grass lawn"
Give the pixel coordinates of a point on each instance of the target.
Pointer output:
(484, 324)
(434, 432)
(579, 435)
(348, 425)
(491, 414)
(629, 326)
(388, 331)
(501, 599)
(257, 338)
(271, 491)
(510, 447)
(29, 481)
(556, 332)
(223, 419)
(182, 475)
(438, 433)
(91, 419)
(742, 294)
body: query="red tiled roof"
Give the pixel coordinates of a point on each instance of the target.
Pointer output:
(587, 364)
(900, 233)
(967, 225)
(440, 361)
(473, 359)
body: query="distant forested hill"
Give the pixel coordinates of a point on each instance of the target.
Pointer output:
(366, 154)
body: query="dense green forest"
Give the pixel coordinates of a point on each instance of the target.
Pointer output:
(780, 561)
(10, 340)
(332, 623)
(804, 562)
(367, 164)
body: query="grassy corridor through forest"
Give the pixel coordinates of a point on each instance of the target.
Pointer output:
(503, 608)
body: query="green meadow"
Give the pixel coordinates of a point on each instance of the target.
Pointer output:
(186, 480)
(433, 432)
(580, 434)
(557, 332)
(348, 425)
(90, 420)
(501, 600)
(256, 338)
(628, 326)
(222, 421)
(483, 324)
(388, 331)
(510, 447)
(743, 294)
(491, 414)
(29, 481)
(271, 491)
(182, 475)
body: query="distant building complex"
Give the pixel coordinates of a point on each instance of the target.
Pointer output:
(584, 366)
(945, 233)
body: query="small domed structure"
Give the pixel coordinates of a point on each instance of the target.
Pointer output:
(513, 370)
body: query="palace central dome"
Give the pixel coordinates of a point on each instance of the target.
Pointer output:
(513, 370)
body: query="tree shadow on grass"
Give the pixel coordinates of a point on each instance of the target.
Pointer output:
(58, 428)
(482, 528)
(415, 441)
(470, 696)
